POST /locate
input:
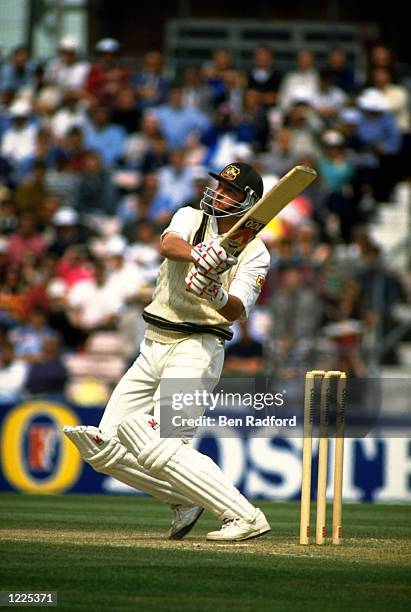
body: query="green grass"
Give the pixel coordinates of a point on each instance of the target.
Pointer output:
(111, 553)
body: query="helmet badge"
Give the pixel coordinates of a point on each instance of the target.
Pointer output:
(230, 172)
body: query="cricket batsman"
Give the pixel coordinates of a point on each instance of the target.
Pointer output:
(200, 291)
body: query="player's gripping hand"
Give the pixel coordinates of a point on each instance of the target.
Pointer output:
(210, 256)
(207, 286)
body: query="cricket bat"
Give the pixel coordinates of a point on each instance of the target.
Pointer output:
(255, 219)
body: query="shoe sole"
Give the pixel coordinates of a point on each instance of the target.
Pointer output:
(179, 535)
(261, 532)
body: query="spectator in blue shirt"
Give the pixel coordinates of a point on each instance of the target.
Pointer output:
(108, 139)
(151, 83)
(181, 125)
(377, 126)
(176, 184)
(223, 136)
(17, 72)
(380, 134)
(45, 150)
(28, 338)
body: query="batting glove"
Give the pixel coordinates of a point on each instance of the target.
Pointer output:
(210, 256)
(208, 287)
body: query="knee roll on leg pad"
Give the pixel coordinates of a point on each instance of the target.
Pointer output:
(143, 439)
(100, 451)
(192, 473)
(107, 455)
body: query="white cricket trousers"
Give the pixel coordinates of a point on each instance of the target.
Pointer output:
(199, 357)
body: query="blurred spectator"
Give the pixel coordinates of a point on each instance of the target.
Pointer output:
(175, 185)
(13, 374)
(150, 199)
(379, 132)
(8, 215)
(347, 337)
(67, 71)
(106, 75)
(245, 355)
(44, 108)
(264, 77)
(337, 171)
(181, 125)
(74, 149)
(399, 104)
(150, 82)
(281, 155)
(380, 291)
(329, 99)
(38, 274)
(224, 138)
(104, 137)
(67, 231)
(70, 114)
(19, 139)
(26, 239)
(48, 374)
(297, 248)
(379, 56)
(304, 80)
(125, 112)
(75, 266)
(347, 123)
(253, 119)
(30, 269)
(397, 96)
(62, 182)
(44, 95)
(296, 312)
(73, 337)
(125, 280)
(156, 155)
(195, 91)
(222, 79)
(303, 124)
(17, 71)
(341, 71)
(144, 249)
(45, 151)
(128, 208)
(364, 159)
(93, 303)
(140, 143)
(30, 193)
(45, 216)
(28, 337)
(123, 276)
(7, 175)
(234, 86)
(13, 297)
(332, 281)
(96, 193)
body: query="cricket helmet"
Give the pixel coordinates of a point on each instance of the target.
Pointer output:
(243, 177)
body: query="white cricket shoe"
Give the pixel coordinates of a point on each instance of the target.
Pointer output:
(185, 517)
(235, 530)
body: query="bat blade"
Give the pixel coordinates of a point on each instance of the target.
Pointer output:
(255, 219)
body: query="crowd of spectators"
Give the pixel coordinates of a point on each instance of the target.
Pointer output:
(96, 154)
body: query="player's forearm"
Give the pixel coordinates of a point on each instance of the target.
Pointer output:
(175, 248)
(233, 309)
